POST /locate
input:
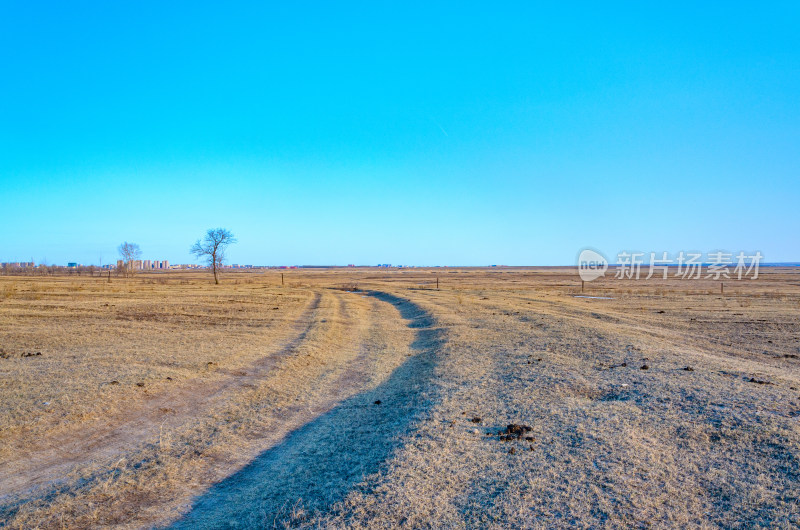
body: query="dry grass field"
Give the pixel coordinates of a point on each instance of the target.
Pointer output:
(501, 399)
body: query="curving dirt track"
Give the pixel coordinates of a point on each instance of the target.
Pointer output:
(317, 465)
(343, 352)
(55, 458)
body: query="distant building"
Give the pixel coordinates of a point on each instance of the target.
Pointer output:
(18, 264)
(72, 265)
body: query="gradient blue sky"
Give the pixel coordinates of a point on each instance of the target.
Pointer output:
(376, 132)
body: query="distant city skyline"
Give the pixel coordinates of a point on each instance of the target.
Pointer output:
(423, 134)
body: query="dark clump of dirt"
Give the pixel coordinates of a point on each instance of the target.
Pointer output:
(759, 381)
(8, 355)
(689, 369)
(139, 384)
(514, 431)
(378, 401)
(476, 419)
(644, 367)
(114, 382)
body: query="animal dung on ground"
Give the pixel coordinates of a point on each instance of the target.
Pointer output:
(513, 431)
(644, 367)
(759, 381)
(689, 369)
(7, 355)
(378, 401)
(476, 419)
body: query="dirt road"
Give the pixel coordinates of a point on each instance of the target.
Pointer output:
(344, 350)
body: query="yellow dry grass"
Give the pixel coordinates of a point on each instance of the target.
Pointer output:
(163, 399)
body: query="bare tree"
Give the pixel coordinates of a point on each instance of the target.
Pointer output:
(129, 252)
(212, 248)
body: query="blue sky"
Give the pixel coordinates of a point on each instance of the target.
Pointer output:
(411, 133)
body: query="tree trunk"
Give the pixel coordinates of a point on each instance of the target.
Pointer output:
(216, 280)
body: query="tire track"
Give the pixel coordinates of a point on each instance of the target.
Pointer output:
(36, 473)
(319, 463)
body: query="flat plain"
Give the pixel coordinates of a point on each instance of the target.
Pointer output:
(365, 398)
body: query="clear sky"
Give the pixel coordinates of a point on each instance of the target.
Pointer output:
(402, 132)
